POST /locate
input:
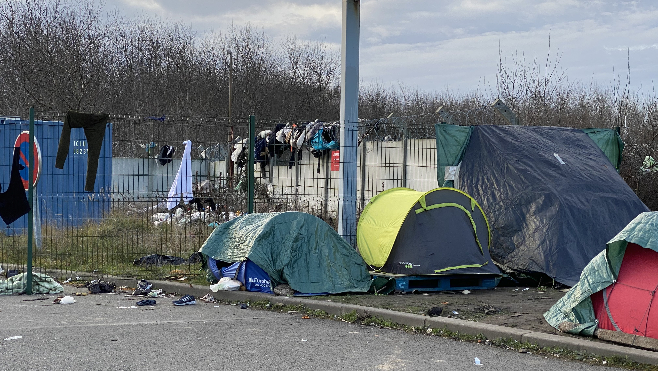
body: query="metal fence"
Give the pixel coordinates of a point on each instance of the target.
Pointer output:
(124, 228)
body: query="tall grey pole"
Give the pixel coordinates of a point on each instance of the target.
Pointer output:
(349, 117)
(30, 192)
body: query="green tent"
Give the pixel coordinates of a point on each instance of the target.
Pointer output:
(443, 231)
(291, 247)
(576, 306)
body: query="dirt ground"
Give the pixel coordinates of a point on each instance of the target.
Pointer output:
(517, 307)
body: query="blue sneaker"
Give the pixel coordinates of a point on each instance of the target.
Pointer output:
(185, 300)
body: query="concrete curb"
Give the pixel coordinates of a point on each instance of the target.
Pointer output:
(451, 324)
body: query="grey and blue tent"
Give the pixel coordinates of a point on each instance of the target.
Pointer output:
(552, 195)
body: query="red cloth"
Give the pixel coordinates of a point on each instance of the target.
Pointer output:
(631, 298)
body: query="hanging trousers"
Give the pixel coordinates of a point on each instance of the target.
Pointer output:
(94, 127)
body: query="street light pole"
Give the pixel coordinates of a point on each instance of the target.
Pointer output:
(349, 119)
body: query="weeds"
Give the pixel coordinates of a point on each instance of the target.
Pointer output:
(110, 246)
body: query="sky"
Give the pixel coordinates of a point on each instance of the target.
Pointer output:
(455, 46)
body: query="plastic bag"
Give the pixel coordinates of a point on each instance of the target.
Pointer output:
(226, 284)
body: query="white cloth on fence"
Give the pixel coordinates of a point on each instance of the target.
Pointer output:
(182, 185)
(239, 147)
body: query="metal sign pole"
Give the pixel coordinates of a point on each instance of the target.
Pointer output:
(30, 216)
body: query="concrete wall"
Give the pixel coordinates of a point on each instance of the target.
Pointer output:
(301, 184)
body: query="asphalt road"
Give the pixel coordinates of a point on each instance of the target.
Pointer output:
(107, 332)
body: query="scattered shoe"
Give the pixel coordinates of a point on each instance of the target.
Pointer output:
(143, 287)
(185, 300)
(208, 298)
(146, 302)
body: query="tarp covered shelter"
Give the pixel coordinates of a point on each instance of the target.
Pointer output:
(552, 195)
(294, 248)
(616, 289)
(443, 231)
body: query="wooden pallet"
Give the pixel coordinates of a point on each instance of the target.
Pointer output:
(442, 283)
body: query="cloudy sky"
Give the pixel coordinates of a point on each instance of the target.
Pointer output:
(439, 45)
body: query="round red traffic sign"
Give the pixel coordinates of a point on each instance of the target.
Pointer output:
(23, 142)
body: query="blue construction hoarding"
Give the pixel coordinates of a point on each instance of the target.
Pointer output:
(60, 193)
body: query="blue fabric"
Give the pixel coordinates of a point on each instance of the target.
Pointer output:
(319, 143)
(251, 275)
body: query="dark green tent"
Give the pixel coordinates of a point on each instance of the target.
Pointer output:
(291, 247)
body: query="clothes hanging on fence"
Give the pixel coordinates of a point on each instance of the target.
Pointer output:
(301, 138)
(239, 155)
(281, 133)
(94, 128)
(182, 185)
(295, 152)
(261, 152)
(292, 160)
(314, 127)
(13, 202)
(276, 146)
(165, 155)
(324, 140)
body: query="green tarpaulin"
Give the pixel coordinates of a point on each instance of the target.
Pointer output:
(451, 141)
(41, 284)
(609, 142)
(294, 248)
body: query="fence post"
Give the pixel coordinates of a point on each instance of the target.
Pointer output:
(30, 215)
(364, 150)
(405, 133)
(327, 176)
(250, 168)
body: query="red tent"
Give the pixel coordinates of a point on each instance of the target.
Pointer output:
(628, 304)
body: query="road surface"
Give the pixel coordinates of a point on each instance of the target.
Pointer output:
(108, 332)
